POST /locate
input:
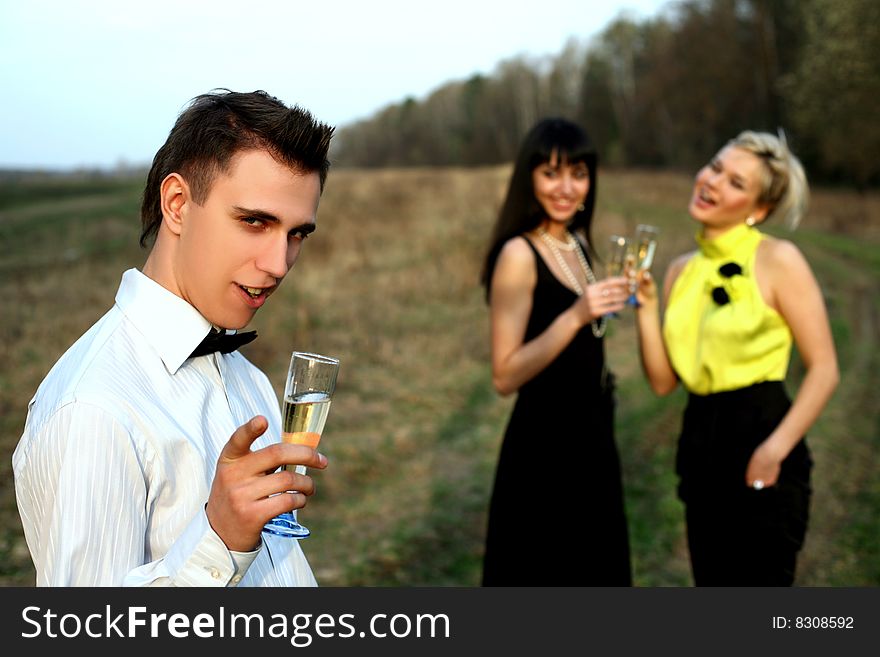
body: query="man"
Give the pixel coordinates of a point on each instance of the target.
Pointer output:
(126, 473)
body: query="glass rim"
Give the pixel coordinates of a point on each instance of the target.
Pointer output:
(329, 360)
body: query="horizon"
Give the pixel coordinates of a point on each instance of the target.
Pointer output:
(104, 96)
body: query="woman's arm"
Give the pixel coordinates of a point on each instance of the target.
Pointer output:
(789, 286)
(655, 361)
(514, 362)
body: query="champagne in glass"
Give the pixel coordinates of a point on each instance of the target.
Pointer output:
(646, 245)
(642, 256)
(303, 418)
(618, 255)
(311, 381)
(617, 260)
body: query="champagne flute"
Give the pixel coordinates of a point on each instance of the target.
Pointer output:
(617, 260)
(311, 381)
(641, 257)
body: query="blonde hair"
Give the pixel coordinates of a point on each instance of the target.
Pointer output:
(784, 186)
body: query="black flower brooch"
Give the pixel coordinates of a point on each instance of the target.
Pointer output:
(727, 270)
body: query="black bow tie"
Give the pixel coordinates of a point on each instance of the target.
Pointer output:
(222, 342)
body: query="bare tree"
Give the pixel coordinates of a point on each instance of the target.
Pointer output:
(835, 89)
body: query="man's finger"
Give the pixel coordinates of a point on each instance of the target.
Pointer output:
(240, 443)
(278, 454)
(283, 481)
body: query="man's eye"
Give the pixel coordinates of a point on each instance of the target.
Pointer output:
(252, 221)
(299, 234)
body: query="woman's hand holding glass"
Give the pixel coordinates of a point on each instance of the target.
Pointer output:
(603, 298)
(647, 294)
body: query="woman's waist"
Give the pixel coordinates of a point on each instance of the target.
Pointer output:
(761, 393)
(571, 371)
(704, 377)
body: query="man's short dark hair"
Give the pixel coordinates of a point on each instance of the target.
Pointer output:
(218, 125)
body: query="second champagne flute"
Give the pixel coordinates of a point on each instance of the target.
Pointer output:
(643, 255)
(311, 381)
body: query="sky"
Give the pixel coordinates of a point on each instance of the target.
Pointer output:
(99, 83)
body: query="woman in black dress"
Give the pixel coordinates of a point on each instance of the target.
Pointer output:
(548, 319)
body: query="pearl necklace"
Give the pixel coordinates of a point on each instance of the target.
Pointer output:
(568, 245)
(571, 245)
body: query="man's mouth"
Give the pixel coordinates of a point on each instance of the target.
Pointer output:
(254, 292)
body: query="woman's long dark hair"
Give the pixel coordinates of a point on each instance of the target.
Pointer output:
(521, 211)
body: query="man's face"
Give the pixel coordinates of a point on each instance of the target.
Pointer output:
(236, 248)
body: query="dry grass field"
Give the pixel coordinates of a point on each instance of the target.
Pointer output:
(389, 283)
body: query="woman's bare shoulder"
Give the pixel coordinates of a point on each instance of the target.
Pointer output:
(516, 263)
(778, 251)
(517, 249)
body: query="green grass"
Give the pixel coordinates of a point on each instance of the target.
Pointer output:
(389, 284)
(33, 190)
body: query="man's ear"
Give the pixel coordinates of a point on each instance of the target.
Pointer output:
(174, 194)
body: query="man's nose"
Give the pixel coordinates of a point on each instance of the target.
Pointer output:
(274, 260)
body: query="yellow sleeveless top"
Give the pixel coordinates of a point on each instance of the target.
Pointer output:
(719, 333)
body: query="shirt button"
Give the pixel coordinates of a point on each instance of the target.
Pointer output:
(236, 579)
(215, 573)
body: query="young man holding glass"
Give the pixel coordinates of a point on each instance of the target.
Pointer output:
(150, 450)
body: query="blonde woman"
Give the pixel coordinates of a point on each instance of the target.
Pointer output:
(732, 309)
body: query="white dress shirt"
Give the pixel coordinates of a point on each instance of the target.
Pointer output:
(114, 467)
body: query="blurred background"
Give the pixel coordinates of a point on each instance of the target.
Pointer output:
(429, 114)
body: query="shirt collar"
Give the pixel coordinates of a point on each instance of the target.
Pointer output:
(728, 243)
(169, 324)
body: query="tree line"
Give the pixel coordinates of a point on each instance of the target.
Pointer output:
(664, 92)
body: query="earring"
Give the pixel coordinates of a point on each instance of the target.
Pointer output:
(750, 221)
(581, 207)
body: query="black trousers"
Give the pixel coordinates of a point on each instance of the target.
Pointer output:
(738, 536)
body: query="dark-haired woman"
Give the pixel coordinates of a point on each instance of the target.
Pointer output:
(556, 516)
(733, 307)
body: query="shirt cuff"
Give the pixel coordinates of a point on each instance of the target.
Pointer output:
(242, 561)
(200, 557)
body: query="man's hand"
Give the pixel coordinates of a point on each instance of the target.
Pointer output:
(239, 504)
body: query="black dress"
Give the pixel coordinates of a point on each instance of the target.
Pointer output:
(556, 516)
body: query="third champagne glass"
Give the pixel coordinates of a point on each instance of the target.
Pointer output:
(311, 381)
